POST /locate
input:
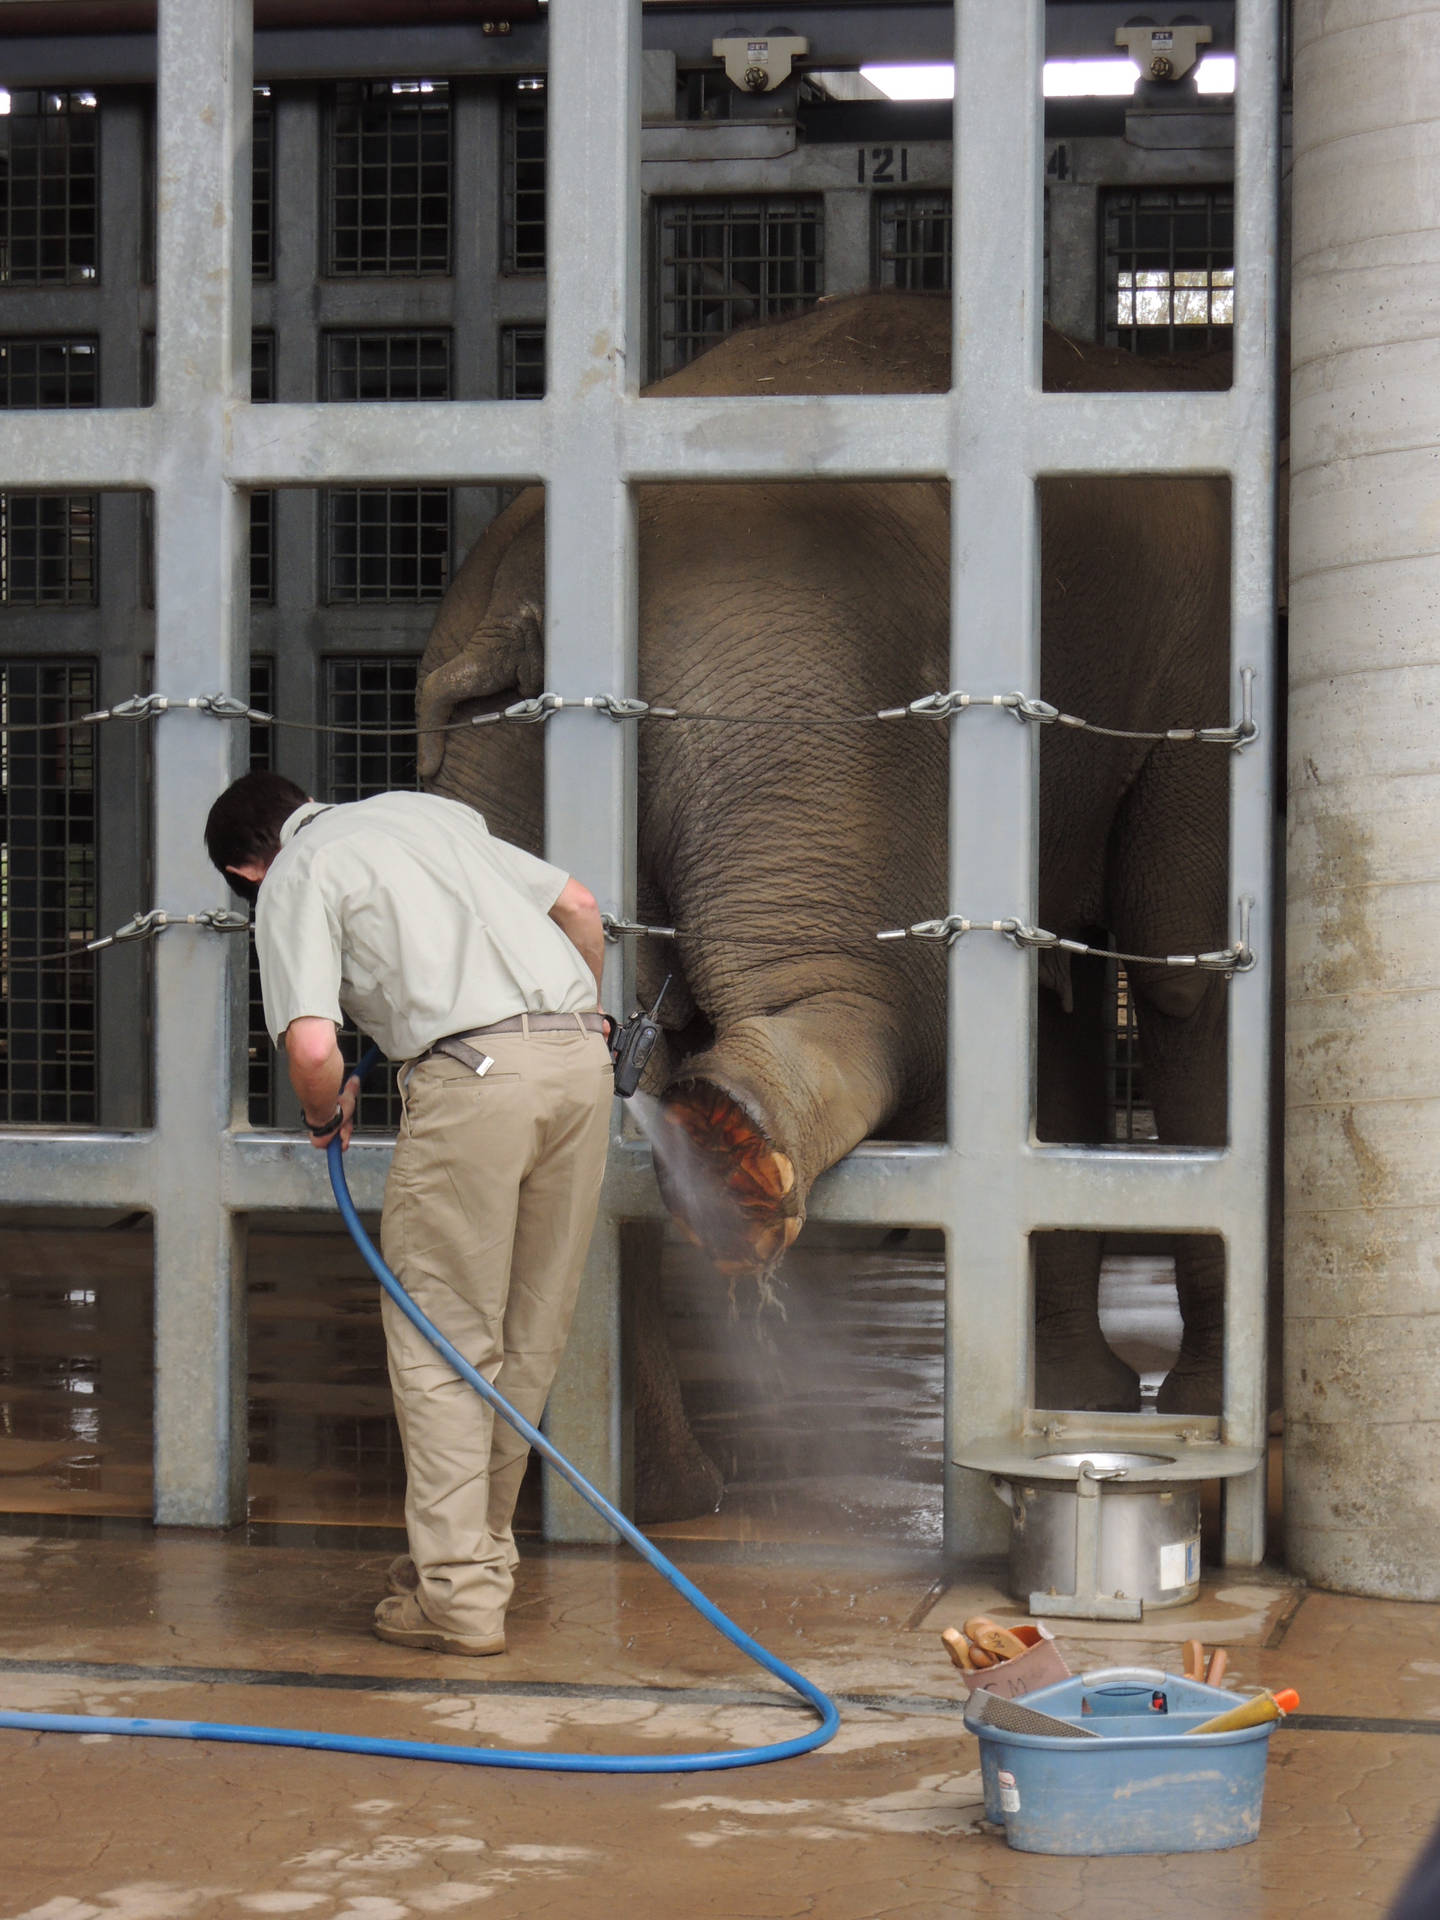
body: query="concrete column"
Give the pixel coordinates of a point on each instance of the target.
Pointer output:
(1362, 1391)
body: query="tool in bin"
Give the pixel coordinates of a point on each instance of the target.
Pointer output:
(982, 1644)
(1253, 1712)
(1195, 1667)
(632, 1045)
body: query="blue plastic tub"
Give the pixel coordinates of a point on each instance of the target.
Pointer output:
(1146, 1786)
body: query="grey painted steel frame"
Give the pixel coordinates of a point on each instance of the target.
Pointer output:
(591, 440)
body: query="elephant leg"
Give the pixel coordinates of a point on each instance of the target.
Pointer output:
(1194, 1384)
(821, 1073)
(1074, 1364)
(1184, 1056)
(675, 1479)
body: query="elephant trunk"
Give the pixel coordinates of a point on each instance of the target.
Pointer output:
(752, 1122)
(496, 665)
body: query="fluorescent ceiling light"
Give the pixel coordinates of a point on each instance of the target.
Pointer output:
(1063, 78)
(912, 83)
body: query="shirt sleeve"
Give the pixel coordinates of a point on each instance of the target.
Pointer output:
(536, 878)
(297, 942)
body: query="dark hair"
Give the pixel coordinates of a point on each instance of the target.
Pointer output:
(245, 822)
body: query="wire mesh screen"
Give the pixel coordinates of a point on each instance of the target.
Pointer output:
(723, 262)
(1131, 1115)
(522, 363)
(47, 894)
(386, 544)
(523, 243)
(262, 178)
(914, 241)
(370, 707)
(1169, 269)
(50, 373)
(384, 364)
(47, 549)
(259, 1055)
(49, 190)
(389, 178)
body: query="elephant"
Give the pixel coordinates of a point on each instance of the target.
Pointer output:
(777, 850)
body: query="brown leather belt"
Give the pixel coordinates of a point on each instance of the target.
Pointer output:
(537, 1023)
(453, 1045)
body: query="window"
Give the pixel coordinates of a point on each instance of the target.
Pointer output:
(47, 894)
(724, 262)
(47, 541)
(262, 176)
(1169, 269)
(47, 550)
(262, 500)
(914, 241)
(522, 363)
(387, 366)
(386, 543)
(49, 190)
(524, 209)
(49, 373)
(389, 178)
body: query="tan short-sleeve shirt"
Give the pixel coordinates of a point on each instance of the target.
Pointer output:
(406, 913)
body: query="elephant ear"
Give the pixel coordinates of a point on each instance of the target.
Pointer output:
(469, 592)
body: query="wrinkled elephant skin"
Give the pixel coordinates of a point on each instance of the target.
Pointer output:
(778, 850)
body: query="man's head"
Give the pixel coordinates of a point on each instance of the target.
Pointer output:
(242, 832)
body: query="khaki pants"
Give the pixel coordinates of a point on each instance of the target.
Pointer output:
(488, 1212)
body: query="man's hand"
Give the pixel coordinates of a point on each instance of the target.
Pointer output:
(349, 1100)
(317, 1073)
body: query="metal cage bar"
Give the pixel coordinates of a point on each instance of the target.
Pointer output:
(592, 440)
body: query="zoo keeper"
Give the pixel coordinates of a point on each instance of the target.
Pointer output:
(478, 966)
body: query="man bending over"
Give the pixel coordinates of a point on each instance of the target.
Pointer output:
(478, 966)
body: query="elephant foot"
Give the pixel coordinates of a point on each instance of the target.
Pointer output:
(1084, 1376)
(730, 1191)
(682, 1483)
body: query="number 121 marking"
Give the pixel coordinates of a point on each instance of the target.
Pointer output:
(881, 162)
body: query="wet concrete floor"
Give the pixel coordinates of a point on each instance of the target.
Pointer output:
(827, 1548)
(886, 1820)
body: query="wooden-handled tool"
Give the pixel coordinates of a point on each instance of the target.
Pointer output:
(1254, 1712)
(958, 1648)
(999, 1641)
(1194, 1660)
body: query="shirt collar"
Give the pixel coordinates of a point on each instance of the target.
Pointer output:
(301, 817)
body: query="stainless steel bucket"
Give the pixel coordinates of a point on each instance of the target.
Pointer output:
(1144, 1551)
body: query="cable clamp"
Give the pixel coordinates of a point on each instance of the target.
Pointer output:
(617, 929)
(144, 926)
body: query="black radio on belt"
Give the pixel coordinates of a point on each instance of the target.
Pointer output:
(632, 1045)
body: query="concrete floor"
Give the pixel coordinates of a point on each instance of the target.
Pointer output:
(886, 1820)
(827, 1548)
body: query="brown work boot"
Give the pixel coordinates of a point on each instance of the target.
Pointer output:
(401, 1576)
(400, 1619)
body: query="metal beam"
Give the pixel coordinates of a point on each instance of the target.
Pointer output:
(202, 619)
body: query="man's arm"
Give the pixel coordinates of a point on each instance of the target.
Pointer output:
(317, 1073)
(577, 914)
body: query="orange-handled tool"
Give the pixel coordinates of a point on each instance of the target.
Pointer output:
(1253, 1712)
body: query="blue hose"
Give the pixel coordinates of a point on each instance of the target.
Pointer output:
(487, 1756)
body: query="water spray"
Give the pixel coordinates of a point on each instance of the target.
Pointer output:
(640, 1027)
